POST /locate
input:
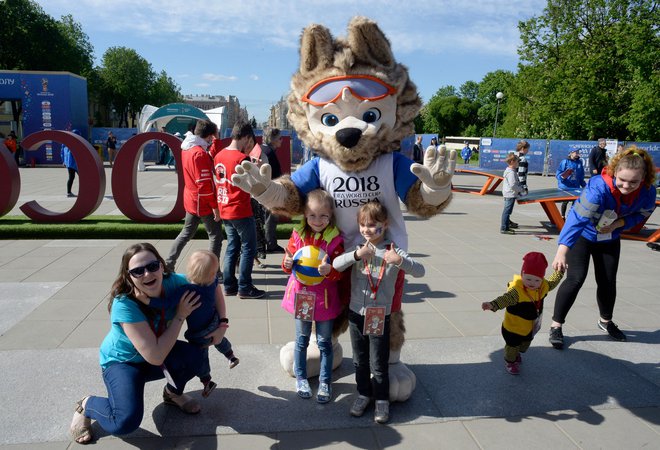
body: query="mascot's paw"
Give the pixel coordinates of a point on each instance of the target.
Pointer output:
(436, 175)
(402, 380)
(252, 179)
(313, 357)
(437, 171)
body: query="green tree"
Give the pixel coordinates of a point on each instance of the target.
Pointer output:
(469, 90)
(127, 80)
(447, 113)
(33, 40)
(490, 85)
(589, 69)
(164, 90)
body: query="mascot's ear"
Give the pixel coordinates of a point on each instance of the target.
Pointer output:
(368, 42)
(316, 49)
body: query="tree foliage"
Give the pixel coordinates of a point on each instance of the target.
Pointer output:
(126, 79)
(164, 90)
(589, 69)
(33, 40)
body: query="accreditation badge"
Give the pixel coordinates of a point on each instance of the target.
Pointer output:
(374, 321)
(304, 305)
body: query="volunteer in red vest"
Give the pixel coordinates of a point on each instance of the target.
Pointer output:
(198, 192)
(237, 217)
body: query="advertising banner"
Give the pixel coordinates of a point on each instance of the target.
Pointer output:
(559, 150)
(493, 151)
(50, 101)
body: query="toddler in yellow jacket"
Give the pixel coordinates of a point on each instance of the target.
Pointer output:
(524, 307)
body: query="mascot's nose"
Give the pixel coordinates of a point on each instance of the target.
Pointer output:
(349, 137)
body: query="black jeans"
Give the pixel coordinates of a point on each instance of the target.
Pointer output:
(69, 182)
(371, 355)
(606, 264)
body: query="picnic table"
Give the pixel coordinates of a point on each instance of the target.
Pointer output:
(494, 178)
(549, 197)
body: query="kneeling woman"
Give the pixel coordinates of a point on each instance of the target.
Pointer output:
(141, 346)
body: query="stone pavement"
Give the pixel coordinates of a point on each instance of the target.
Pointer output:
(596, 393)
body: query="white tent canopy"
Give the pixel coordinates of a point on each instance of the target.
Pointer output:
(152, 116)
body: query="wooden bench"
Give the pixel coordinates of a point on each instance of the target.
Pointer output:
(548, 199)
(494, 178)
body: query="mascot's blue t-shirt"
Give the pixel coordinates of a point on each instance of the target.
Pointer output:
(386, 180)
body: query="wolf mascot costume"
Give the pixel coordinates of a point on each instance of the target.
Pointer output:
(352, 104)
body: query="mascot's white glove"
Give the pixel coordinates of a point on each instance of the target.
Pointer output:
(257, 182)
(435, 175)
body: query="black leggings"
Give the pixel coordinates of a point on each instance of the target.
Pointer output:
(72, 176)
(606, 263)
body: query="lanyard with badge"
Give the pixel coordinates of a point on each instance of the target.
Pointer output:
(538, 303)
(374, 316)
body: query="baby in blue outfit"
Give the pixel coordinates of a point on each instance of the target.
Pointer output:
(202, 275)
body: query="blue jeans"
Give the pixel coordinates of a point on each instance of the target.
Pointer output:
(204, 369)
(324, 341)
(506, 213)
(241, 234)
(121, 413)
(371, 355)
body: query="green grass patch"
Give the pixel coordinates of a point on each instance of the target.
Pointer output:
(102, 227)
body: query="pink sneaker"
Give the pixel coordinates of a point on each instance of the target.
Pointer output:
(513, 368)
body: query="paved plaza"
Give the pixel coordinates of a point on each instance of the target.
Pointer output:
(596, 393)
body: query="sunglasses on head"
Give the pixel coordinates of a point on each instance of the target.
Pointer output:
(363, 87)
(139, 271)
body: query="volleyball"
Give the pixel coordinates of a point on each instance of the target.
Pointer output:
(306, 263)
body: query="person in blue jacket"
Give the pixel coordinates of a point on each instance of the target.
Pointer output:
(466, 153)
(570, 175)
(70, 163)
(620, 198)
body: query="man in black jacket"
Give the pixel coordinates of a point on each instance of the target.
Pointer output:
(272, 141)
(598, 157)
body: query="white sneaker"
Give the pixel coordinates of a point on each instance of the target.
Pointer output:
(382, 412)
(303, 388)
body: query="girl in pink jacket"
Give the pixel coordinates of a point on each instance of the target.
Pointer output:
(310, 296)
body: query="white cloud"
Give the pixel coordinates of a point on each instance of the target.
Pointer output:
(218, 77)
(414, 25)
(254, 77)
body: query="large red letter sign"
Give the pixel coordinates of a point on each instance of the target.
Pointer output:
(10, 180)
(90, 172)
(124, 179)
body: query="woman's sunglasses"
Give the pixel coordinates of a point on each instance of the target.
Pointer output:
(139, 271)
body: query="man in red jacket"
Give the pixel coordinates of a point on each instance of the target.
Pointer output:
(236, 213)
(198, 192)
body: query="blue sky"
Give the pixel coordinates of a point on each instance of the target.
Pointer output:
(249, 48)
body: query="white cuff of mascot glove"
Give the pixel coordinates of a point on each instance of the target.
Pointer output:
(275, 196)
(435, 197)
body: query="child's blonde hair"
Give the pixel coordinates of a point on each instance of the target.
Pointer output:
(373, 211)
(202, 267)
(636, 159)
(511, 158)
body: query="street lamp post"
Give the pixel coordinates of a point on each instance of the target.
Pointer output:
(499, 97)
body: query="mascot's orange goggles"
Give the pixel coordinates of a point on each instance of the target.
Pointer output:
(363, 87)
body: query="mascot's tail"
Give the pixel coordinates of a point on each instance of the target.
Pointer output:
(397, 331)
